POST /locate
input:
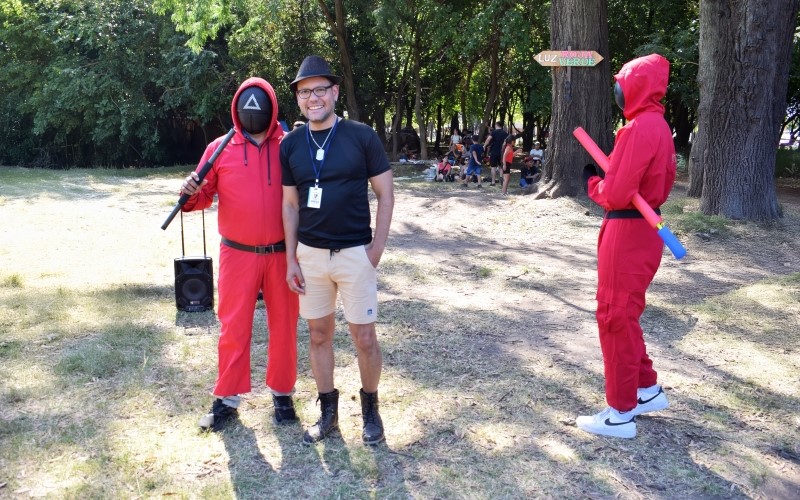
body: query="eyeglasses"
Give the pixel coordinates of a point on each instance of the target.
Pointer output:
(319, 91)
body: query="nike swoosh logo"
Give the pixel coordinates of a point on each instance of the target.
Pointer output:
(641, 402)
(609, 422)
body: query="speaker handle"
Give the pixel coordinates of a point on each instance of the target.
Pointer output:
(183, 246)
(204, 233)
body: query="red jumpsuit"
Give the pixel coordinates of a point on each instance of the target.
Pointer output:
(628, 249)
(247, 181)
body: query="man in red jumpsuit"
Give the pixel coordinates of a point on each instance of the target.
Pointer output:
(628, 249)
(246, 178)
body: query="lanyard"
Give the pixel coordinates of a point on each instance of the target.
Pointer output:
(318, 171)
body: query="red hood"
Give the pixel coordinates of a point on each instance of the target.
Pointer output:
(275, 131)
(644, 83)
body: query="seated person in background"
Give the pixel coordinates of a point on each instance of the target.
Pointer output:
(466, 143)
(537, 154)
(455, 138)
(529, 173)
(456, 152)
(403, 154)
(443, 170)
(444, 165)
(451, 158)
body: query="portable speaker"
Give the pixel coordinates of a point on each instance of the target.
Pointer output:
(194, 284)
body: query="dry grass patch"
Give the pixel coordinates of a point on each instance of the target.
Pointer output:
(490, 351)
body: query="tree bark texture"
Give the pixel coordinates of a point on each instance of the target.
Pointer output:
(464, 92)
(398, 114)
(494, 77)
(339, 29)
(581, 95)
(423, 130)
(746, 49)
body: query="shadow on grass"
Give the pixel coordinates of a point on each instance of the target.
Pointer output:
(476, 361)
(481, 403)
(247, 467)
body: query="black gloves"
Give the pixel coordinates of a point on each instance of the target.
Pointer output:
(588, 171)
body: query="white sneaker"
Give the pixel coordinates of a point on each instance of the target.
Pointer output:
(609, 422)
(650, 402)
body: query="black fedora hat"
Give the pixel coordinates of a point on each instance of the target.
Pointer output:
(314, 66)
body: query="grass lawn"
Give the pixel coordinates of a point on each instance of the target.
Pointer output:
(489, 343)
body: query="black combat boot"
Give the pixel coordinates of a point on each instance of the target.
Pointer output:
(328, 421)
(373, 425)
(284, 409)
(220, 416)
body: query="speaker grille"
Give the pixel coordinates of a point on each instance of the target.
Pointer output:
(194, 284)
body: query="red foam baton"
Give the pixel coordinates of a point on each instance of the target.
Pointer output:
(647, 212)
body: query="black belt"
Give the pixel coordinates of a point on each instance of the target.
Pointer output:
(628, 214)
(262, 249)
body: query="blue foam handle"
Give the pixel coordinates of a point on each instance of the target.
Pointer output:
(672, 242)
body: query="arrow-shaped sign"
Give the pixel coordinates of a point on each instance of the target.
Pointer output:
(568, 58)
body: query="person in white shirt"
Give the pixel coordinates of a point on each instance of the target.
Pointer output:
(455, 138)
(536, 153)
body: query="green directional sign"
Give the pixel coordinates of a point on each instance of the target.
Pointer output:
(568, 58)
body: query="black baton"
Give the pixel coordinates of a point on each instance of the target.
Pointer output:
(201, 175)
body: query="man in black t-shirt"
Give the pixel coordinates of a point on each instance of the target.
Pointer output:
(495, 139)
(529, 175)
(330, 247)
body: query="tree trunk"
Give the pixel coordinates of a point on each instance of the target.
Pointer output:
(681, 121)
(528, 124)
(439, 127)
(380, 124)
(423, 130)
(705, 75)
(747, 48)
(491, 98)
(464, 93)
(398, 113)
(339, 29)
(581, 95)
(398, 117)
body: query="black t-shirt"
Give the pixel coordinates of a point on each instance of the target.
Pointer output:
(498, 138)
(355, 154)
(528, 171)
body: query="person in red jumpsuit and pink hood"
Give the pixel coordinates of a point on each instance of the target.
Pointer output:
(628, 249)
(246, 177)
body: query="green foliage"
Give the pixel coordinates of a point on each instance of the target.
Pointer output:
(202, 20)
(670, 28)
(98, 83)
(787, 163)
(682, 164)
(149, 82)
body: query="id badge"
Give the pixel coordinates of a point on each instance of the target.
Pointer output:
(314, 197)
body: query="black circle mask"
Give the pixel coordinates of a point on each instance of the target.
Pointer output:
(254, 109)
(618, 96)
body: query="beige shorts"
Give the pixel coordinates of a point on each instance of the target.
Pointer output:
(347, 270)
